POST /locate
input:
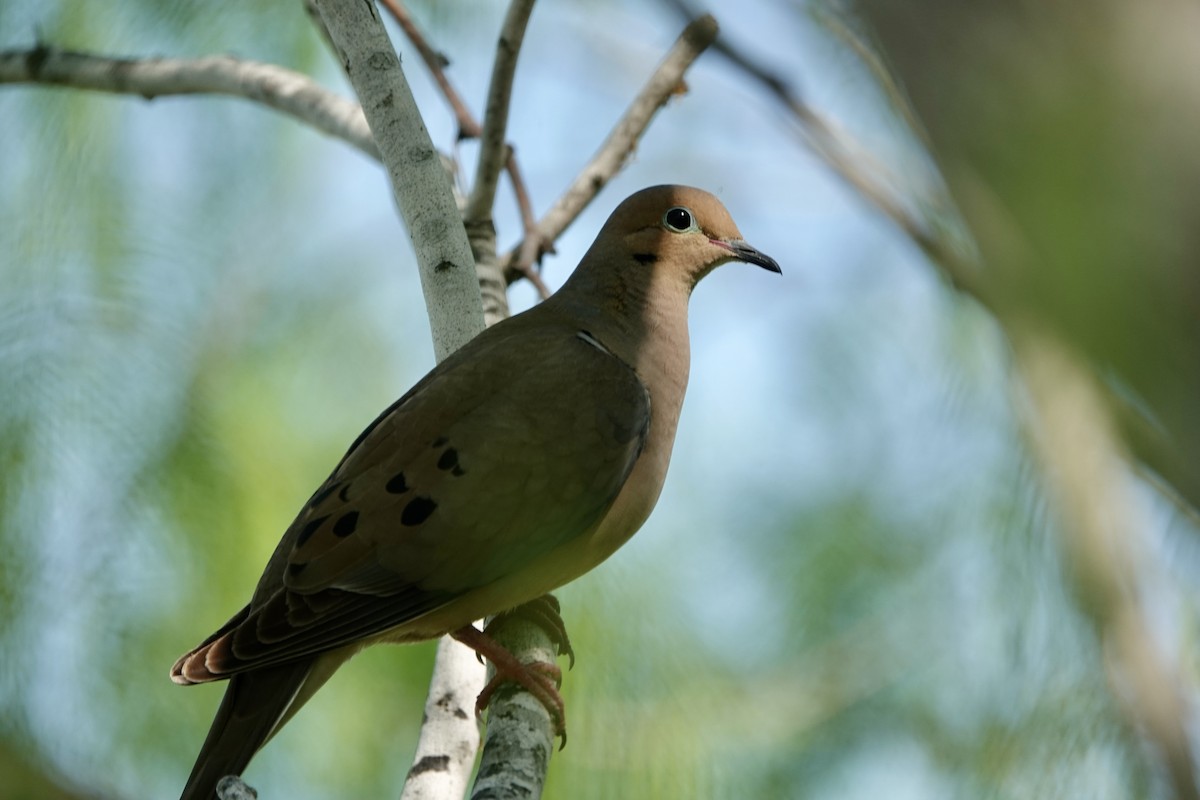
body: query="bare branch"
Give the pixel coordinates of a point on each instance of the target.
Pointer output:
(492, 286)
(468, 128)
(419, 183)
(531, 235)
(614, 152)
(520, 733)
(449, 734)
(232, 787)
(666, 81)
(957, 264)
(282, 89)
(493, 153)
(436, 63)
(870, 57)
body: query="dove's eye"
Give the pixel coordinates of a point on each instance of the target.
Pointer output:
(679, 219)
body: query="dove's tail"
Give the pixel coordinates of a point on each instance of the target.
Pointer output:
(255, 705)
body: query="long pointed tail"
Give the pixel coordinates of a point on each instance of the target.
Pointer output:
(254, 705)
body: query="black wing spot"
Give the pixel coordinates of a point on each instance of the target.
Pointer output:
(296, 569)
(645, 259)
(440, 441)
(345, 525)
(448, 459)
(458, 471)
(417, 511)
(397, 485)
(308, 530)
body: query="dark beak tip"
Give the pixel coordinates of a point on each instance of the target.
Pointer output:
(770, 265)
(744, 252)
(752, 255)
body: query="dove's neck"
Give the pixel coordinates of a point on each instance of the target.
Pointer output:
(639, 314)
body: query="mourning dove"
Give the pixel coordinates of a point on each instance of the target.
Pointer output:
(519, 463)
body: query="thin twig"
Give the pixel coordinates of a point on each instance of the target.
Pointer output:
(493, 155)
(493, 152)
(666, 81)
(530, 232)
(281, 89)
(468, 127)
(436, 63)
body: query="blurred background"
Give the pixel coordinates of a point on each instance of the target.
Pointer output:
(854, 585)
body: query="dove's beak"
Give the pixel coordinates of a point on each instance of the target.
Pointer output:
(742, 251)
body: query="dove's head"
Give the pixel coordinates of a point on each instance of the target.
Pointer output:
(674, 232)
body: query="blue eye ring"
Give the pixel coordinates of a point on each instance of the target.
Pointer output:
(679, 219)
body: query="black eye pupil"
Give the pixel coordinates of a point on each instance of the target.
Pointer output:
(679, 219)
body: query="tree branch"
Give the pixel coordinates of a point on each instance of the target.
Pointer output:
(232, 787)
(529, 226)
(282, 89)
(435, 62)
(614, 152)
(419, 184)
(520, 734)
(469, 128)
(449, 736)
(493, 152)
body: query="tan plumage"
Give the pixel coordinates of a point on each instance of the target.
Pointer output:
(519, 463)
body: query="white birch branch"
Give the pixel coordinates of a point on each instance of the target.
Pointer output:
(419, 183)
(232, 787)
(282, 89)
(449, 736)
